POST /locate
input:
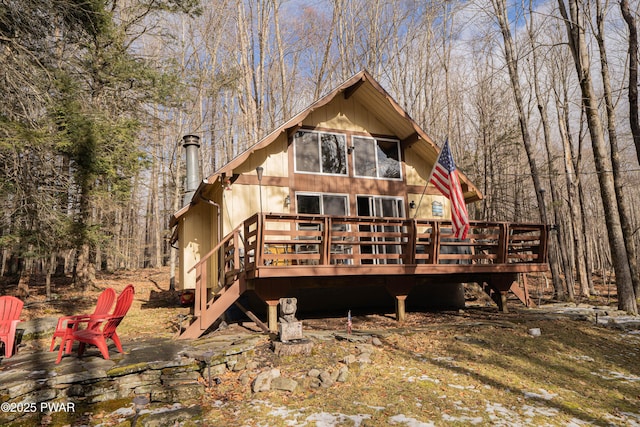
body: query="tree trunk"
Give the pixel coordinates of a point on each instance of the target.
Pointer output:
(577, 43)
(633, 74)
(84, 271)
(560, 235)
(623, 207)
(573, 200)
(499, 7)
(633, 86)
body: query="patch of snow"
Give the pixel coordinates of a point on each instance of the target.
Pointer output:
(443, 359)
(466, 420)
(583, 358)
(462, 387)
(613, 375)
(281, 412)
(376, 408)
(532, 411)
(413, 379)
(324, 419)
(290, 416)
(624, 418)
(410, 422)
(501, 416)
(544, 394)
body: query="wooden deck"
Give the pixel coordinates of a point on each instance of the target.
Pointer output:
(273, 253)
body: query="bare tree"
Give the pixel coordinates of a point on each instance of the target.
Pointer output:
(574, 21)
(499, 7)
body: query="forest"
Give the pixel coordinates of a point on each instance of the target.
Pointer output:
(539, 100)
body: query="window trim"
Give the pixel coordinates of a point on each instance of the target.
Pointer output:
(375, 141)
(318, 134)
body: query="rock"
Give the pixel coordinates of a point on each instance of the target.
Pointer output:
(263, 380)
(343, 374)
(350, 359)
(341, 336)
(364, 348)
(315, 382)
(314, 373)
(180, 378)
(216, 370)
(244, 379)
(376, 341)
(327, 380)
(534, 332)
(282, 383)
(261, 383)
(364, 358)
(187, 392)
(240, 365)
(140, 379)
(174, 417)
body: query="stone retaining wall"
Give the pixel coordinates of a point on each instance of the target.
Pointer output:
(163, 371)
(157, 371)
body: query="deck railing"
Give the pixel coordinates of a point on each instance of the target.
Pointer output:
(282, 241)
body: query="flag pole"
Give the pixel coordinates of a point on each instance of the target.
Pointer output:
(433, 168)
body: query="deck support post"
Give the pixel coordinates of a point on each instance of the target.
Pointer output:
(401, 313)
(272, 315)
(501, 299)
(400, 291)
(500, 284)
(270, 291)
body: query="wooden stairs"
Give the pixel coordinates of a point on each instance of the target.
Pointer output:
(208, 309)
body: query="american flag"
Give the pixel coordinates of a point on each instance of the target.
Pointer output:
(445, 177)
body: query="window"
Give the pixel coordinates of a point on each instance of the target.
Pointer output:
(322, 204)
(377, 158)
(320, 152)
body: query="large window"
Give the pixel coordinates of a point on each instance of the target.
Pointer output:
(376, 158)
(320, 152)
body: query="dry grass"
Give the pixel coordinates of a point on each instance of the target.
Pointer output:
(463, 371)
(448, 368)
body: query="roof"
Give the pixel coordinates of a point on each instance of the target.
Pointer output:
(366, 90)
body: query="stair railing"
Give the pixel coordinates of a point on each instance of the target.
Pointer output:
(201, 294)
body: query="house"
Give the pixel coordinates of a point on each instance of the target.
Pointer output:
(336, 198)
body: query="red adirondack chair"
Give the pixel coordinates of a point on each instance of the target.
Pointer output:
(103, 306)
(10, 308)
(101, 329)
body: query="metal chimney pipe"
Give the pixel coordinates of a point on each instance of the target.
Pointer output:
(191, 144)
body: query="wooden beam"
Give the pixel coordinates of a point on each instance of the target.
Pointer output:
(410, 140)
(253, 317)
(292, 130)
